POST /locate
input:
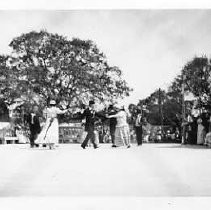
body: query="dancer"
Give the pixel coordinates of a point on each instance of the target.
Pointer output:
(34, 125)
(122, 133)
(91, 119)
(50, 132)
(112, 124)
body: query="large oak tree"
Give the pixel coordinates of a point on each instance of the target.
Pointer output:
(44, 65)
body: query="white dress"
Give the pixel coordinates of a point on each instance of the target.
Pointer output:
(50, 130)
(122, 133)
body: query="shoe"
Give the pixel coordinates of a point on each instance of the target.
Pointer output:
(113, 145)
(84, 147)
(128, 146)
(96, 147)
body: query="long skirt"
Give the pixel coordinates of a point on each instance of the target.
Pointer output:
(49, 133)
(122, 136)
(201, 134)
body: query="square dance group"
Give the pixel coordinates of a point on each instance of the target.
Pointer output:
(48, 135)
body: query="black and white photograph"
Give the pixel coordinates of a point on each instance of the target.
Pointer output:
(109, 105)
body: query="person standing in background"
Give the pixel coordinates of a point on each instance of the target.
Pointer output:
(146, 129)
(34, 125)
(208, 135)
(138, 127)
(205, 120)
(200, 132)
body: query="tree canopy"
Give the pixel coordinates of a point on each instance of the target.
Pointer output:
(196, 79)
(44, 65)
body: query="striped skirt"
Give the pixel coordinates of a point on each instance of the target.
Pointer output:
(122, 136)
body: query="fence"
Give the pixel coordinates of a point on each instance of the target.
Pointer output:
(70, 133)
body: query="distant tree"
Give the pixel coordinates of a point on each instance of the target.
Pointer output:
(4, 111)
(160, 104)
(196, 78)
(175, 90)
(152, 104)
(172, 113)
(8, 80)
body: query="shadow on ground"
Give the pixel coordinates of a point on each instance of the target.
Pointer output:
(176, 146)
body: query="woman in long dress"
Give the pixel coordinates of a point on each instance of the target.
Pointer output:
(208, 136)
(50, 132)
(146, 130)
(200, 132)
(122, 132)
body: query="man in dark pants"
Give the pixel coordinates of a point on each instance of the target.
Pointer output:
(112, 124)
(34, 125)
(138, 127)
(91, 118)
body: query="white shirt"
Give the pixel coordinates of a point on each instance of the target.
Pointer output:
(32, 118)
(138, 120)
(121, 117)
(53, 111)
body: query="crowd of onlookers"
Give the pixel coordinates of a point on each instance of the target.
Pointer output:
(197, 127)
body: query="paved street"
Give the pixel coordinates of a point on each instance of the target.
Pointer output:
(150, 170)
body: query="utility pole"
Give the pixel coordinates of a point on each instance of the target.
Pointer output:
(160, 109)
(183, 109)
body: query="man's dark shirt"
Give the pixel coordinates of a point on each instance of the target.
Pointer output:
(113, 120)
(34, 124)
(91, 119)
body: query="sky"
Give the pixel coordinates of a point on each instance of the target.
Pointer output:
(149, 46)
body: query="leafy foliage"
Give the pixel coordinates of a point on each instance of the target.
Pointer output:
(44, 65)
(196, 78)
(161, 106)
